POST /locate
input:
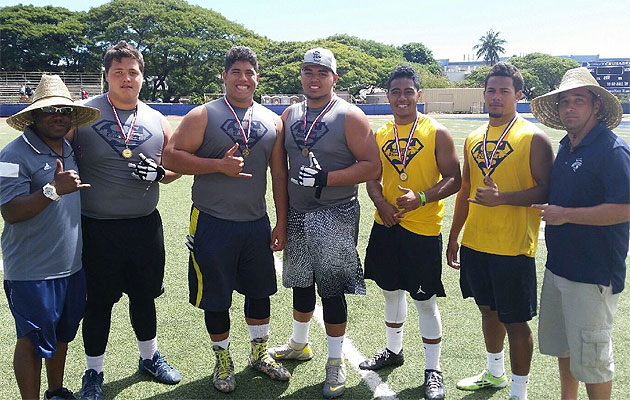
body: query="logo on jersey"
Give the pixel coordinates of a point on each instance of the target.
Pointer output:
(576, 164)
(318, 132)
(391, 154)
(505, 149)
(230, 128)
(110, 133)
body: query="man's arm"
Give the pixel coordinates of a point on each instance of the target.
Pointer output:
(179, 153)
(169, 176)
(279, 179)
(541, 162)
(386, 210)
(601, 214)
(460, 214)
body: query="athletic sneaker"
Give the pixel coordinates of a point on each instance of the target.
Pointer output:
(223, 375)
(292, 351)
(335, 383)
(263, 362)
(59, 394)
(92, 388)
(383, 358)
(433, 385)
(483, 380)
(158, 368)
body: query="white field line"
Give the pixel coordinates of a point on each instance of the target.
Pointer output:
(352, 355)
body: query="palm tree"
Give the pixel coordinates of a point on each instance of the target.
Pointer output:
(490, 47)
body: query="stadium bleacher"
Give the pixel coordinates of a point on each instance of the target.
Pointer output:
(10, 83)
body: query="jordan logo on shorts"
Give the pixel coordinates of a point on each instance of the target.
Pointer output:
(505, 149)
(420, 290)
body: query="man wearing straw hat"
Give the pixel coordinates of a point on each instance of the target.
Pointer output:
(41, 242)
(123, 252)
(587, 232)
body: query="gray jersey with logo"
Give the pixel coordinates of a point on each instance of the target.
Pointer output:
(115, 193)
(328, 143)
(235, 199)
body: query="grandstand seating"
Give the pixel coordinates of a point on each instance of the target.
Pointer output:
(10, 83)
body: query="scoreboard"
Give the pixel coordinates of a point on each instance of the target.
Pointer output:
(612, 75)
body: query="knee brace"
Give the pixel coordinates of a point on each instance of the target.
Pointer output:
(257, 308)
(395, 306)
(304, 299)
(217, 322)
(335, 309)
(429, 321)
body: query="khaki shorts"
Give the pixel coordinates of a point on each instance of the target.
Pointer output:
(576, 321)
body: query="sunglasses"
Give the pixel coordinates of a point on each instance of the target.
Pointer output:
(60, 110)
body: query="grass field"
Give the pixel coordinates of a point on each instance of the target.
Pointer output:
(185, 343)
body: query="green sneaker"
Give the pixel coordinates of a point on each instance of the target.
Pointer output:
(223, 375)
(263, 362)
(292, 351)
(335, 383)
(483, 380)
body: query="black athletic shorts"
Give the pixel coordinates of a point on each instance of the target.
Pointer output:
(399, 259)
(228, 256)
(123, 256)
(506, 284)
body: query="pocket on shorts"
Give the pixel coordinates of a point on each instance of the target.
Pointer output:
(596, 348)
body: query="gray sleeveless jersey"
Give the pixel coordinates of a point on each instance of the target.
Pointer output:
(328, 143)
(115, 194)
(235, 199)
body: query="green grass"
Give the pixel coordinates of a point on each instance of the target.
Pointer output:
(185, 343)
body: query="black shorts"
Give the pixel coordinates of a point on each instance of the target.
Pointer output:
(123, 256)
(506, 284)
(228, 256)
(399, 259)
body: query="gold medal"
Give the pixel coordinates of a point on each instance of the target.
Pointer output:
(127, 153)
(404, 176)
(305, 152)
(245, 152)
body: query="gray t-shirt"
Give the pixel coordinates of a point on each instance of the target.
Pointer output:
(235, 199)
(115, 193)
(48, 245)
(328, 143)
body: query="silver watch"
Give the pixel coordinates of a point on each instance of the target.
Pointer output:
(50, 192)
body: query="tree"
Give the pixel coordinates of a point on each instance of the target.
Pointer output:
(476, 78)
(490, 47)
(542, 73)
(416, 52)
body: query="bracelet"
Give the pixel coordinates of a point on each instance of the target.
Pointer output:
(423, 198)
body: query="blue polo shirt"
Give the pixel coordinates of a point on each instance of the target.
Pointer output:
(596, 171)
(48, 245)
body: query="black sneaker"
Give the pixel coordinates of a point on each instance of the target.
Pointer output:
(59, 394)
(158, 368)
(382, 359)
(92, 388)
(433, 385)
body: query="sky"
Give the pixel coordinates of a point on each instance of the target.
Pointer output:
(449, 28)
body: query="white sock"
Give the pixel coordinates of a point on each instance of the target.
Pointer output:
(300, 331)
(147, 348)
(394, 338)
(223, 343)
(95, 363)
(335, 344)
(519, 386)
(258, 331)
(432, 355)
(495, 364)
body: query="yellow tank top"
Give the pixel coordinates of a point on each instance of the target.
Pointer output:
(421, 168)
(503, 230)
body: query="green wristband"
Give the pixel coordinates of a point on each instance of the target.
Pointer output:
(423, 198)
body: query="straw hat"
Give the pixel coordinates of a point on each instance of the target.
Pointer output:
(51, 91)
(545, 107)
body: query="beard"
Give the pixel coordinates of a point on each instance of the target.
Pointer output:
(495, 115)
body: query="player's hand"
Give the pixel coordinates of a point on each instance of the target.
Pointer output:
(233, 166)
(552, 215)
(67, 181)
(278, 237)
(451, 254)
(147, 170)
(488, 196)
(311, 175)
(408, 201)
(387, 212)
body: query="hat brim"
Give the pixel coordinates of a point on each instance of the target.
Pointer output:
(81, 116)
(321, 65)
(545, 107)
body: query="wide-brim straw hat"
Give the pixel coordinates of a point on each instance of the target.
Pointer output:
(545, 107)
(51, 91)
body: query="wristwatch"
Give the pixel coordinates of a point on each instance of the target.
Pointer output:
(50, 192)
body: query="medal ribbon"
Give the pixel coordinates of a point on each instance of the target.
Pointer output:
(240, 125)
(126, 137)
(401, 157)
(332, 102)
(494, 152)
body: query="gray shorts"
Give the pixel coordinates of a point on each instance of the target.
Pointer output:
(322, 248)
(576, 321)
